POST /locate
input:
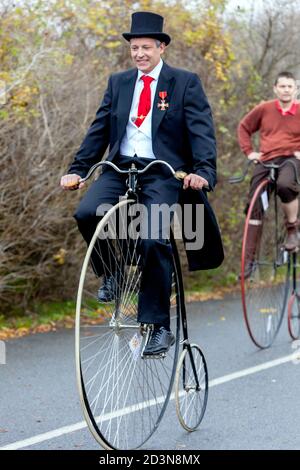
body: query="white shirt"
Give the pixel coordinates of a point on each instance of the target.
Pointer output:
(138, 140)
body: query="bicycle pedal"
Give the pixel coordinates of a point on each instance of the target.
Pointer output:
(145, 329)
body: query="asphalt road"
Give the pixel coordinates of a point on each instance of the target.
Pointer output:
(253, 401)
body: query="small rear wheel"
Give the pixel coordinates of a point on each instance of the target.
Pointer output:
(294, 316)
(191, 387)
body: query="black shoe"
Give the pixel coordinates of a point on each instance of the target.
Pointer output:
(108, 290)
(159, 342)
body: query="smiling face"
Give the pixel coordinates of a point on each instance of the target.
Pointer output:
(285, 90)
(145, 53)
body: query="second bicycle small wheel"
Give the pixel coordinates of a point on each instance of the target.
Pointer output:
(294, 316)
(191, 387)
(264, 267)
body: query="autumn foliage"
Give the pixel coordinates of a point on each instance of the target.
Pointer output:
(55, 58)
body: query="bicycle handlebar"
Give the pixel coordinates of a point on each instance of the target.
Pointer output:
(177, 174)
(274, 166)
(239, 179)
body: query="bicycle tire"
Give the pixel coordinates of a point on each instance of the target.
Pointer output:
(123, 396)
(190, 396)
(294, 316)
(264, 293)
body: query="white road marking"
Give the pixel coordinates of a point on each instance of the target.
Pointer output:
(81, 425)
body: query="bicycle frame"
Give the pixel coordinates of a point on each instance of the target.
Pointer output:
(272, 178)
(185, 341)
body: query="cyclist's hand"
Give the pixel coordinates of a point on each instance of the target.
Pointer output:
(71, 182)
(254, 156)
(297, 154)
(195, 182)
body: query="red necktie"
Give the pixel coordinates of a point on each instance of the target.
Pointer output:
(145, 100)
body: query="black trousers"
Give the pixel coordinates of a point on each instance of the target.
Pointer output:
(157, 186)
(286, 183)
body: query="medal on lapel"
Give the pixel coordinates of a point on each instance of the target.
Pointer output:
(162, 105)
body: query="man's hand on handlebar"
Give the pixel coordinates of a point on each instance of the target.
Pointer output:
(254, 156)
(71, 182)
(195, 182)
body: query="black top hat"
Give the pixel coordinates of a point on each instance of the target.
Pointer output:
(149, 25)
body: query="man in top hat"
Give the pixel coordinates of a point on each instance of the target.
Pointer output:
(152, 111)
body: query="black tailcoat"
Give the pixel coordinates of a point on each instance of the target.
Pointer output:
(182, 135)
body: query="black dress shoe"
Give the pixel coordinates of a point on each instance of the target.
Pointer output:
(159, 342)
(108, 290)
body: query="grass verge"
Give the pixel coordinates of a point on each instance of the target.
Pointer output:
(50, 316)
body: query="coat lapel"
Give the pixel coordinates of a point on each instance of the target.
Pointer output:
(125, 100)
(166, 82)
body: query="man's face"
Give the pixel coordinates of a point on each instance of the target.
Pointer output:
(145, 54)
(285, 90)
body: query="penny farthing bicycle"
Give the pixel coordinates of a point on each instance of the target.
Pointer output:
(265, 289)
(123, 394)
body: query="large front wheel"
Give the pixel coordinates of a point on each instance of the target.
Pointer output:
(123, 395)
(264, 267)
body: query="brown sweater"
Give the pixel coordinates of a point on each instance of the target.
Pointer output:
(279, 134)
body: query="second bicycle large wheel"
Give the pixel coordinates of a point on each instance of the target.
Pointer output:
(191, 387)
(294, 316)
(123, 395)
(265, 285)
